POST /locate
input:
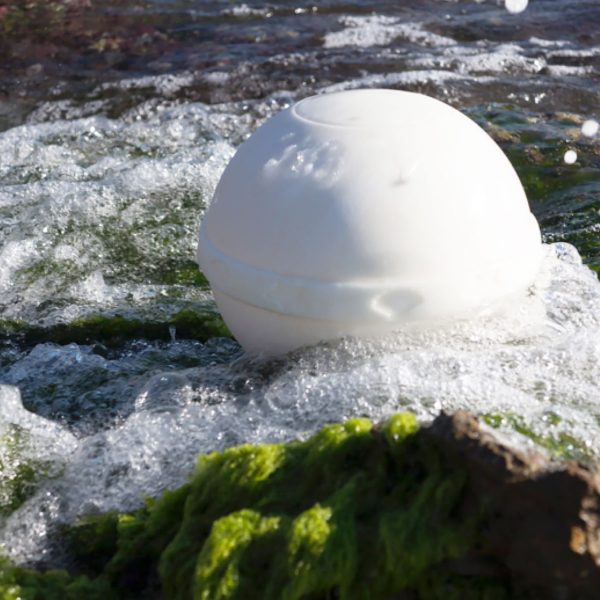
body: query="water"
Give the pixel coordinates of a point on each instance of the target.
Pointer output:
(109, 157)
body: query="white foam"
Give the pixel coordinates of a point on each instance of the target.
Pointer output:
(35, 443)
(243, 10)
(377, 30)
(46, 438)
(575, 52)
(544, 43)
(492, 58)
(445, 53)
(217, 77)
(569, 70)
(75, 192)
(404, 78)
(166, 85)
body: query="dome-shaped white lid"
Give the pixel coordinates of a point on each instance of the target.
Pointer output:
(369, 205)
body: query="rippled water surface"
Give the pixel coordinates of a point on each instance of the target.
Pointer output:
(112, 139)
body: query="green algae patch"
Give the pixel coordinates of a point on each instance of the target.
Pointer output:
(116, 330)
(563, 197)
(199, 325)
(220, 570)
(559, 444)
(23, 584)
(94, 541)
(19, 475)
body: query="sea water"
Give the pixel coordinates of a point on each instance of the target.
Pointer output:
(102, 188)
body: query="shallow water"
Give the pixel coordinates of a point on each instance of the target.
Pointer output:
(107, 163)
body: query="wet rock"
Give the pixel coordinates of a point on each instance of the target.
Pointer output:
(543, 524)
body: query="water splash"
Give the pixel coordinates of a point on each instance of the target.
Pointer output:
(99, 213)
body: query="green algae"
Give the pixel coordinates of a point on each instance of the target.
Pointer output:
(220, 570)
(155, 248)
(115, 330)
(24, 584)
(559, 444)
(19, 475)
(63, 272)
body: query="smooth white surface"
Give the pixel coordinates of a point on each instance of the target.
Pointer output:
(516, 6)
(590, 128)
(356, 212)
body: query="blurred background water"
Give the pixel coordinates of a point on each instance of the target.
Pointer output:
(116, 122)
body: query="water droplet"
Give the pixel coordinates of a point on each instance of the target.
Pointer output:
(516, 6)
(590, 128)
(570, 157)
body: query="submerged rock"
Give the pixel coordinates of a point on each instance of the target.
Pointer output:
(29, 450)
(357, 511)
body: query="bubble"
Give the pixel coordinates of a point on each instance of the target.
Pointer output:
(516, 6)
(570, 157)
(590, 128)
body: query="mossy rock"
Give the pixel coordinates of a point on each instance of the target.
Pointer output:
(355, 512)
(563, 197)
(115, 330)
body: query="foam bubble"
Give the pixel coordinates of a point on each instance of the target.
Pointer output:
(569, 70)
(495, 58)
(166, 85)
(404, 78)
(38, 450)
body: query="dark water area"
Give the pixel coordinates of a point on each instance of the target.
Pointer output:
(116, 122)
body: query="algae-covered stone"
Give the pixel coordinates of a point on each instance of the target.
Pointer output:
(563, 197)
(355, 512)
